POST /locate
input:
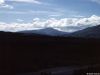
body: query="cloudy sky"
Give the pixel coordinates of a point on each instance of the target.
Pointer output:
(65, 15)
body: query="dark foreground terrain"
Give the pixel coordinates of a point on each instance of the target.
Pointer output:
(33, 53)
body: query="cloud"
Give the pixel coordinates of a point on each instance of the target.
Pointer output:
(64, 24)
(97, 1)
(19, 20)
(55, 15)
(6, 6)
(78, 16)
(27, 1)
(2, 2)
(93, 20)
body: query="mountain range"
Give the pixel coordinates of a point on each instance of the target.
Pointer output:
(90, 32)
(45, 31)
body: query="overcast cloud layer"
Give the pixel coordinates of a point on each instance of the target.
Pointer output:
(64, 24)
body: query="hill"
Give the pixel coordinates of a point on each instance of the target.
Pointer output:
(91, 32)
(46, 31)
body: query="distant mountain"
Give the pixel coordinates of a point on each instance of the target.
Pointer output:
(90, 32)
(46, 31)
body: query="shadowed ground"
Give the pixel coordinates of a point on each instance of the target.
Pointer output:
(33, 53)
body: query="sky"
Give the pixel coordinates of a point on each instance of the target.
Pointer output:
(64, 15)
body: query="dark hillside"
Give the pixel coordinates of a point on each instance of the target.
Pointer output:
(22, 54)
(90, 32)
